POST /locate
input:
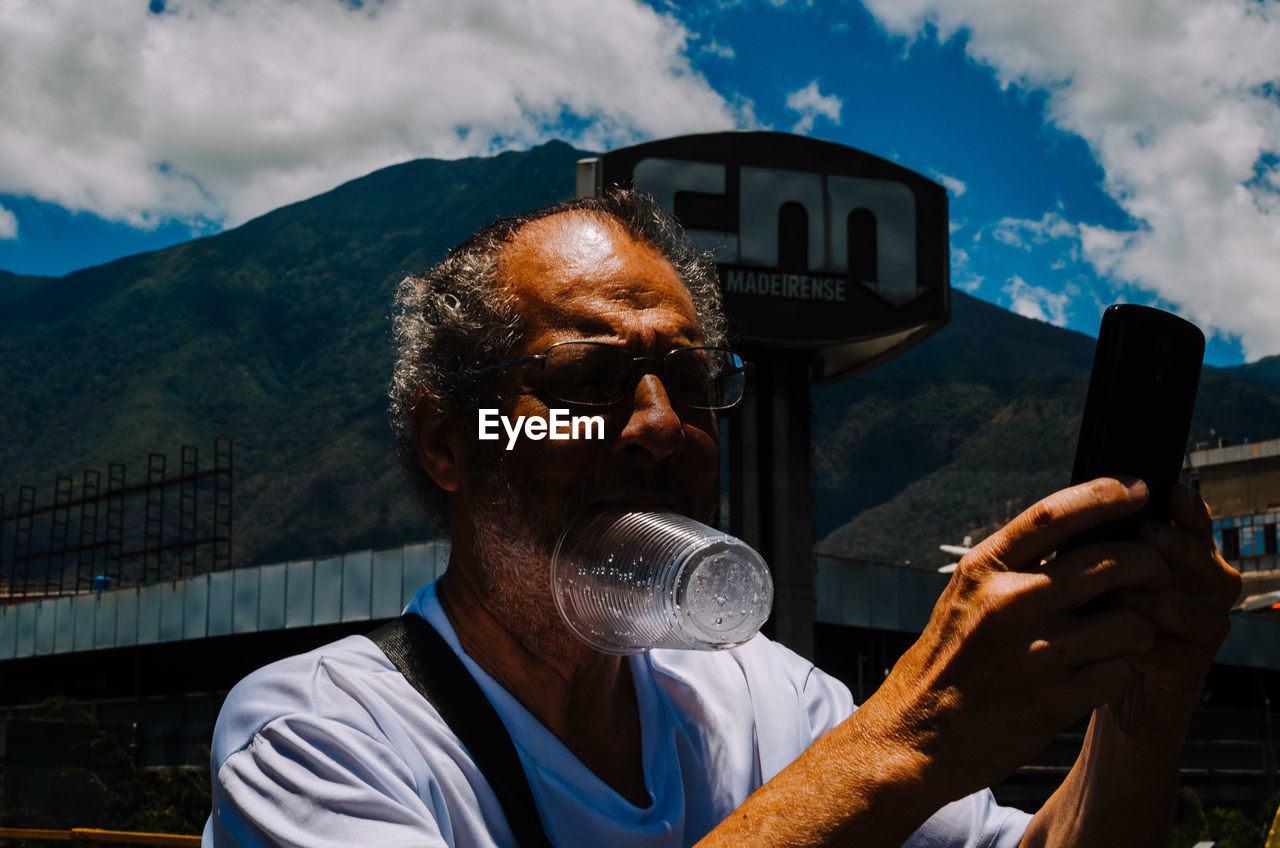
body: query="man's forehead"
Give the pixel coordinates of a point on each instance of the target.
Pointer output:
(582, 264)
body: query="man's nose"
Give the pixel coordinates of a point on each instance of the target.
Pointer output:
(653, 427)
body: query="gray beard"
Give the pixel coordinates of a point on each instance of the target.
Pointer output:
(513, 549)
(514, 541)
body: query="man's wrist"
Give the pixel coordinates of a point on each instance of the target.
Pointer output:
(1156, 750)
(1113, 757)
(837, 792)
(898, 761)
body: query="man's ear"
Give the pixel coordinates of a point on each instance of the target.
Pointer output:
(438, 443)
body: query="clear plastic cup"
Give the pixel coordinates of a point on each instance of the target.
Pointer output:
(627, 580)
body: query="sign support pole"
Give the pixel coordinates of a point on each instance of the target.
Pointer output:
(770, 497)
(792, 514)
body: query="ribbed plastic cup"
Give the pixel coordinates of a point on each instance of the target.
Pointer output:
(627, 580)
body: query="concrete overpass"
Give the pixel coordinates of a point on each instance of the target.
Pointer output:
(156, 661)
(349, 588)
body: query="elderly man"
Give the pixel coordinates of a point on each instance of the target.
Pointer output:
(586, 303)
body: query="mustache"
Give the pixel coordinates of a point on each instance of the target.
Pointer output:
(629, 484)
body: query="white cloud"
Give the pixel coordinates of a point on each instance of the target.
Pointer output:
(810, 103)
(8, 224)
(720, 51)
(229, 108)
(1178, 101)
(963, 274)
(1038, 302)
(951, 184)
(1024, 233)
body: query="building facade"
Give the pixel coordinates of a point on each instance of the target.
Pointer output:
(1241, 484)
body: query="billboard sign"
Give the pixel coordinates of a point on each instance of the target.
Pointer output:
(819, 245)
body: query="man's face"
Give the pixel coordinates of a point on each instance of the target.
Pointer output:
(580, 277)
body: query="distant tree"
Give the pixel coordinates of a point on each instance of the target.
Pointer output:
(1225, 827)
(1230, 828)
(1188, 819)
(89, 779)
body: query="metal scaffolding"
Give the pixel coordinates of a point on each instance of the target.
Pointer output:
(123, 535)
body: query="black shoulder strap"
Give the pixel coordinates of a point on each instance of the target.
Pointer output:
(427, 662)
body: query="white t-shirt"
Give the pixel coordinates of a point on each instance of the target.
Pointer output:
(335, 748)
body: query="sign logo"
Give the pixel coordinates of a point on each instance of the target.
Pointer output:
(850, 226)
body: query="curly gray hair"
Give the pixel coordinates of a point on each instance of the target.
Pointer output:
(460, 317)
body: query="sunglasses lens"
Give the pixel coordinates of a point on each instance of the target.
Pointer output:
(587, 373)
(704, 378)
(597, 374)
(687, 376)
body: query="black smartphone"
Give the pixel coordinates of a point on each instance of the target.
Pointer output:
(1137, 414)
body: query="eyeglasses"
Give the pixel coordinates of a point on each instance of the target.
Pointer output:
(602, 374)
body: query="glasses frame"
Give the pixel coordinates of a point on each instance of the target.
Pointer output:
(658, 369)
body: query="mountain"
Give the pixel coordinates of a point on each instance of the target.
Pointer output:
(1265, 372)
(276, 334)
(970, 427)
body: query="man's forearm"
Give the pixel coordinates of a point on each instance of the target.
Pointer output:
(1120, 792)
(857, 785)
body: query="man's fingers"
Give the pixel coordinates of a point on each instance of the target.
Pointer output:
(1189, 511)
(1178, 667)
(1077, 577)
(1195, 563)
(1091, 639)
(1100, 682)
(1176, 612)
(1024, 542)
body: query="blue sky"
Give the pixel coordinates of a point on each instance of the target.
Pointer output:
(1095, 150)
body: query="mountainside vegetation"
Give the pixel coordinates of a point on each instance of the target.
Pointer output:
(970, 427)
(276, 334)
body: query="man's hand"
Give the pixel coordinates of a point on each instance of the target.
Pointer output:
(1006, 660)
(1189, 617)
(1015, 651)
(1121, 789)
